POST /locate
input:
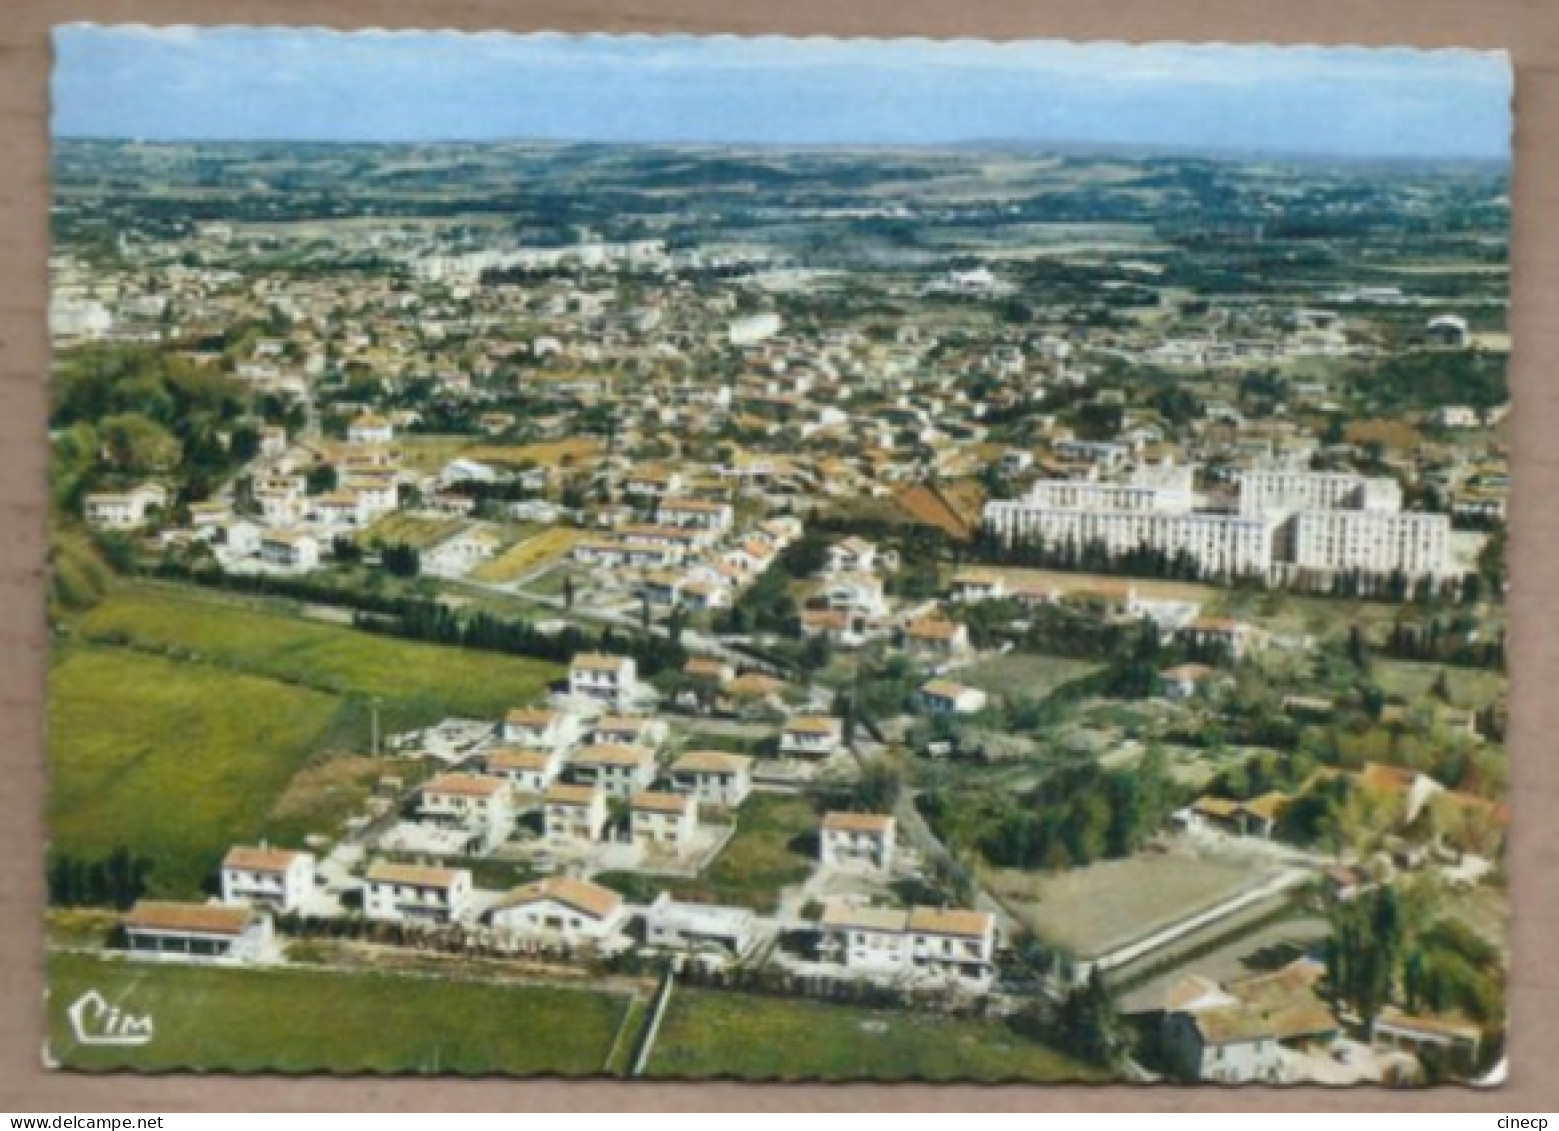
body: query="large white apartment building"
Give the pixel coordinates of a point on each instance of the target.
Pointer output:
(1220, 543)
(1413, 543)
(1089, 494)
(1284, 491)
(1319, 521)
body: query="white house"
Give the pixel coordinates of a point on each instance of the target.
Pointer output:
(937, 637)
(609, 679)
(811, 736)
(664, 822)
(416, 893)
(264, 876)
(458, 554)
(856, 840)
(628, 730)
(698, 926)
(714, 777)
(619, 771)
(124, 510)
(370, 429)
(561, 909)
(479, 803)
(541, 729)
(944, 697)
(852, 555)
(951, 946)
(199, 932)
(527, 770)
(697, 514)
(574, 813)
(294, 550)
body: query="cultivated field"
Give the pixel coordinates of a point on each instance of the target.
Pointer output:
(174, 761)
(528, 556)
(306, 1021)
(754, 1038)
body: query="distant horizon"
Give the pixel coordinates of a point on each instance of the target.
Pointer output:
(1057, 147)
(312, 86)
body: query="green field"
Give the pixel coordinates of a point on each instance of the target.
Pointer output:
(305, 1021)
(176, 733)
(1024, 675)
(717, 1034)
(1469, 687)
(773, 848)
(417, 683)
(175, 761)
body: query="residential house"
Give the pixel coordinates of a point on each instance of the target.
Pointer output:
(811, 736)
(936, 637)
(479, 803)
(714, 777)
(616, 769)
(854, 840)
(370, 428)
(574, 814)
(608, 679)
(124, 510)
(561, 909)
(1235, 1033)
(265, 876)
(541, 729)
(944, 697)
(664, 822)
(416, 893)
(950, 946)
(698, 926)
(296, 551)
(1182, 681)
(528, 770)
(199, 932)
(852, 555)
(628, 730)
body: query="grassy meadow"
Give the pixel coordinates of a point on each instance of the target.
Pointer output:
(756, 1038)
(310, 1021)
(180, 725)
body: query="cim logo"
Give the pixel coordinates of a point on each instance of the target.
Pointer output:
(96, 1022)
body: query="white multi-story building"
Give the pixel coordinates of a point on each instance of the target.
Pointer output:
(663, 821)
(1220, 543)
(713, 776)
(955, 946)
(1088, 494)
(574, 814)
(611, 679)
(1413, 543)
(413, 893)
(619, 770)
(1282, 491)
(479, 803)
(856, 840)
(269, 877)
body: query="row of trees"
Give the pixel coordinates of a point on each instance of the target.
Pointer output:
(117, 880)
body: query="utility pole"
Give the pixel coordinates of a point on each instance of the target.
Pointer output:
(373, 714)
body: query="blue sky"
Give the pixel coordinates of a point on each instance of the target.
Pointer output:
(311, 84)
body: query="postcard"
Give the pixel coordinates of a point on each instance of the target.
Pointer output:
(777, 559)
